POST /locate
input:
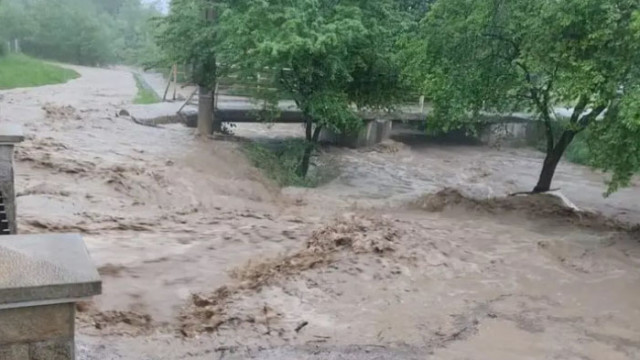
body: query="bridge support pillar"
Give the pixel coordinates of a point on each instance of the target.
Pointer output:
(373, 132)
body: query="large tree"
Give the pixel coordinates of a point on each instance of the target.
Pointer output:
(498, 56)
(331, 57)
(187, 36)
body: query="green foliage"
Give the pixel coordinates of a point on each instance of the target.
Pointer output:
(185, 36)
(328, 56)
(14, 22)
(145, 94)
(497, 56)
(579, 152)
(68, 31)
(614, 142)
(4, 49)
(280, 162)
(18, 71)
(87, 32)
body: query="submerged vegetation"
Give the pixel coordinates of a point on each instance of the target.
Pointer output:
(280, 161)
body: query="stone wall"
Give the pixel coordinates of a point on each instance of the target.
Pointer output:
(37, 332)
(524, 133)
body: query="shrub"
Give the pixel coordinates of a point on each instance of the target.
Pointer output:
(578, 151)
(280, 161)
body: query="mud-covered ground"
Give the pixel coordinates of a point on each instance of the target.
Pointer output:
(202, 258)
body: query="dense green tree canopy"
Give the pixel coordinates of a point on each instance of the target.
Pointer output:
(340, 51)
(89, 32)
(331, 57)
(498, 56)
(186, 36)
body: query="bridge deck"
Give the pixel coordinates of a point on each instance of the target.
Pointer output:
(241, 110)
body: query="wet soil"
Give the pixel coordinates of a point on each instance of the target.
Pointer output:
(412, 252)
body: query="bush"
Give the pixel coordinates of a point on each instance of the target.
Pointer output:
(280, 160)
(578, 151)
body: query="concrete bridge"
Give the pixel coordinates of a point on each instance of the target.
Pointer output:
(377, 125)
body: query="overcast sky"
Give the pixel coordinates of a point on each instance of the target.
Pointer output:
(163, 3)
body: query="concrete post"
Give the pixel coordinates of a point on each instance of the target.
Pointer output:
(9, 137)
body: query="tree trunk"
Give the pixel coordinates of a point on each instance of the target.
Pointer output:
(312, 140)
(205, 111)
(306, 161)
(551, 162)
(215, 121)
(206, 77)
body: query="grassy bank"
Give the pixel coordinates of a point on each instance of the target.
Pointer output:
(145, 95)
(18, 71)
(279, 161)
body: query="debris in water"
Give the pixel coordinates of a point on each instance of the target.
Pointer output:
(549, 206)
(353, 234)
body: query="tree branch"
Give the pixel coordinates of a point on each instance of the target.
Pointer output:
(551, 81)
(549, 134)
(308, 128)
(541, 104)
(316, 133)
(586, 119)
(513, 43)
(579, 108)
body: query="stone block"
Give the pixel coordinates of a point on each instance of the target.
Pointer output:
(45, 268)
(10, 134)
(52, 350)
(14, 352)
(37, 323)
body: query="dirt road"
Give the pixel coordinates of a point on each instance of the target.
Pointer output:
(202, 258)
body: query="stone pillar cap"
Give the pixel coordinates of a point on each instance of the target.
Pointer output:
(45, 269)
(10, 133)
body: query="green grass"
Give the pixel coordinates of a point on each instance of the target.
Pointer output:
(17, 71)
(145, 95)
(279, 161)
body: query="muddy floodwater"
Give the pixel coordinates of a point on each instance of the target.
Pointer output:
(405, 255)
